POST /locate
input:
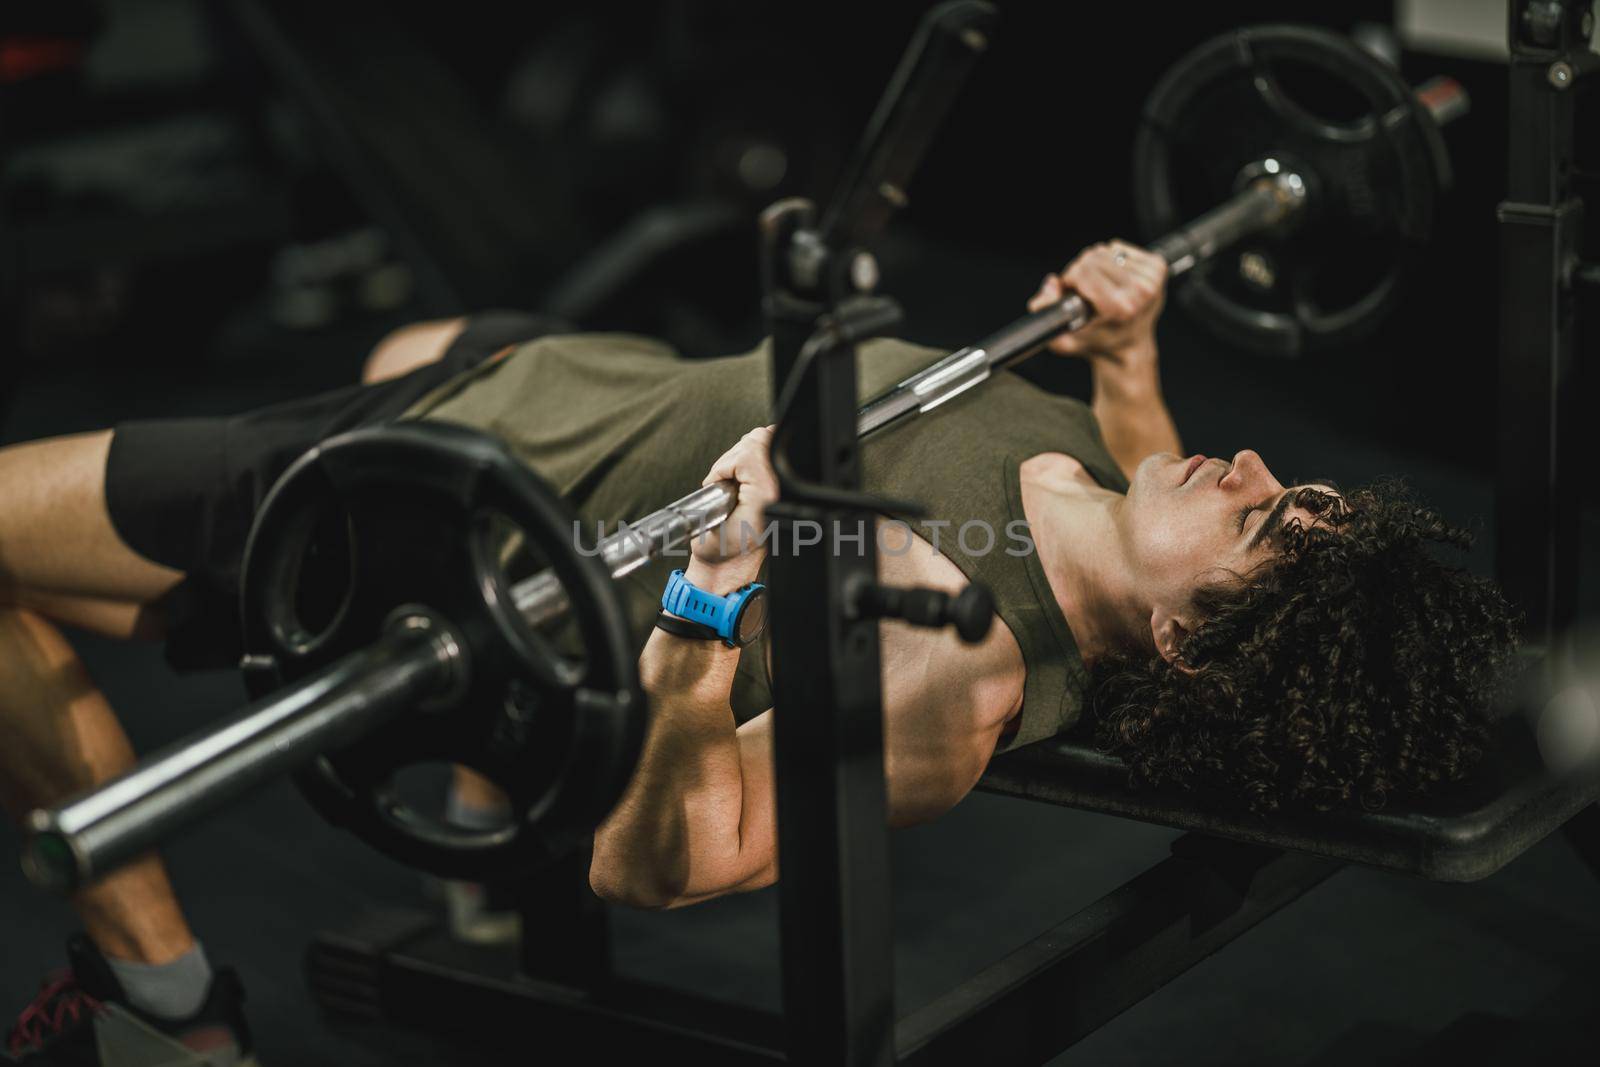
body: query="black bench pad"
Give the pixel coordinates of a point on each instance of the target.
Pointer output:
(1466, 833)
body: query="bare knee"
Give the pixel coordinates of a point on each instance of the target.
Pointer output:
(121, 620)
(35, 657)
(56, 530)
(410, 347)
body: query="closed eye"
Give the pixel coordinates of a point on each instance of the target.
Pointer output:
(1273, 523)
(1277, 509)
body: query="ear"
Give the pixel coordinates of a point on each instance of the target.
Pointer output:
(1169, 632)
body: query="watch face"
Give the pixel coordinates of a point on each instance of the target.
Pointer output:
(753, 618)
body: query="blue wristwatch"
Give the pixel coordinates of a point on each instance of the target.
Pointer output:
(736, 619)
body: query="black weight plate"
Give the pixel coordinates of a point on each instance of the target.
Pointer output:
(1315, 103)
(401, 515)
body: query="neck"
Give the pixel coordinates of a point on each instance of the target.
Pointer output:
(1075, 531)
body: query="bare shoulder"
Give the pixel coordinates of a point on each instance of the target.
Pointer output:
(918, 659)
(1056, 467)
(945, 702)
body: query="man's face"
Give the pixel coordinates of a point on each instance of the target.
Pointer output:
(1189, 520)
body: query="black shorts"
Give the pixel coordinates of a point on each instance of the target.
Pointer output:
(184, 492)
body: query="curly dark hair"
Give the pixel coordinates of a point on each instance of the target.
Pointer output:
(1351, 668)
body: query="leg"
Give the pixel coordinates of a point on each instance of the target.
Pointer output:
(150, 986)
(56, 536)
(476, 800)
(61, 557)
(410, 347)
(474, 913)
(57, 737)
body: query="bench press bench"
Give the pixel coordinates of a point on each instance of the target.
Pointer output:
(1508, 805)
(1228, 872)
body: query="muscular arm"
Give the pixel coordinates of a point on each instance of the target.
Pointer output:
(1125, 285)
(700, 816)
(1132, 412)
(695, 819)
(691, 821)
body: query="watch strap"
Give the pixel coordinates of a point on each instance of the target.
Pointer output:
(686, 628)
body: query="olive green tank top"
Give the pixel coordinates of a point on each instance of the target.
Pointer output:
(621, 426)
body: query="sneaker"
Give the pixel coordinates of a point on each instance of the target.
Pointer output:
(81, 1019)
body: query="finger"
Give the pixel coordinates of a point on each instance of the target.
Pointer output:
(1070, 343)
(751, 467)
(1078, 271)
(754, 455)
(1050, 292)
(1122, 250)
(723, 469)
(1095, 280)
(720, 472)
(1144, 278)
(728, 464)
(1118, 300)
(1122, 256)
(1088, 252)
(756, 446)
(1110, 274)
(1140, 260)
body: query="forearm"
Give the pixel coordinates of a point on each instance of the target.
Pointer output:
(1132, 412)
(675, 832)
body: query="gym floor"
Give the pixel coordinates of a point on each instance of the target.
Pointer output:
(1366, 968)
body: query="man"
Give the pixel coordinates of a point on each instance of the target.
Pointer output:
(1225, 618)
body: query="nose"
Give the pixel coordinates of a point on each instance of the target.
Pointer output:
(1249, 472)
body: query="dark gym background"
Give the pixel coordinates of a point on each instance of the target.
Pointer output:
(202, 211)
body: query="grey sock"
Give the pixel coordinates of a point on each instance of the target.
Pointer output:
(173, 990)
(471, 817)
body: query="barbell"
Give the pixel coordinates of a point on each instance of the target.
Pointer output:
(432, 648)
